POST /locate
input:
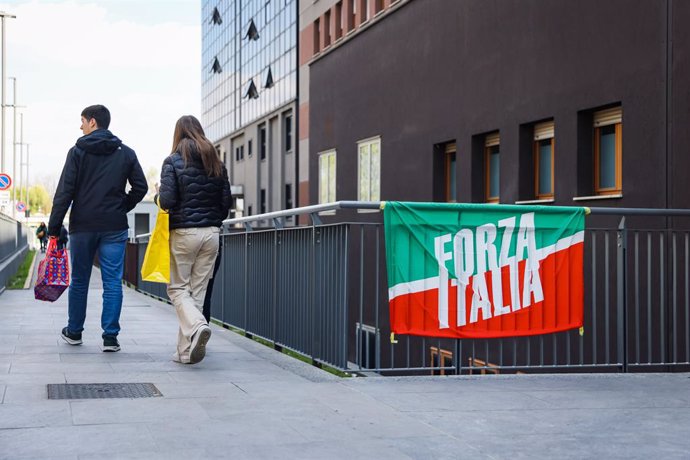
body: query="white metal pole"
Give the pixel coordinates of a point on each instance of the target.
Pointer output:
(14, 147)
(28, 198)
(3, 15)
(21, 157)
(2, 137)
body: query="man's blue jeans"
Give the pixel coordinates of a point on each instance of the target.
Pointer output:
(111, 255)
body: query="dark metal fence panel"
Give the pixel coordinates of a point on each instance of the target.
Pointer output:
(260, 283)
(235, 252)
(330, 292)
(158, 290)
(11, 233)
(13, 247)
(295, 271)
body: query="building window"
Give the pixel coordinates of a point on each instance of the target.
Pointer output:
(288, 133)
(352, 20)
(252, 31)
(215, 67)
(249, 148)
(327, 177)
(288, 196)
(249, 210)
(317, 35)
(450, 172)
(262, 205)
(215, 17)
(251, 92)
(262, 142)
(492, 164)
(369, 188)
(268, 82)
(327, 28)
(608, 151)
(543, 160)
(338, 20)
(364, 10)
(239, 153)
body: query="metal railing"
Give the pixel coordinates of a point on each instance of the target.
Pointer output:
(13, 245)
(320, 290)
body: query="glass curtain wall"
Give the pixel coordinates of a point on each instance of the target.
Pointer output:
(249, 61)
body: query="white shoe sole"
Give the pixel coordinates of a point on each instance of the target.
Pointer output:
(71, 341)
(198, 349)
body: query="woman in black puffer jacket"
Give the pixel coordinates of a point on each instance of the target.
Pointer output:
(196, 192)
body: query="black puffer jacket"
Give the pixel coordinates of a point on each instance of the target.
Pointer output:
(192, 197)
(94, 181)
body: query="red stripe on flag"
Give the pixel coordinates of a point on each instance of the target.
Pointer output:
(562, 309)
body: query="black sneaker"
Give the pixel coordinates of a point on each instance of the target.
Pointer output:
(73, 338)
(110, 343)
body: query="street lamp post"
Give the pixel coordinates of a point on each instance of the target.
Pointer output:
(3, 15)
(21, 157)
(28, 199)
(14, 146)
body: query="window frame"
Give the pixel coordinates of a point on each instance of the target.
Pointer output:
(288, 133)
(322, 156)
(618, 157)
(450, 159)
(537, 170)
(368, 143)
(491, 141)
(548, 133)
(263, 141)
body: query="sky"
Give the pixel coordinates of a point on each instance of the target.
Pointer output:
(141, 59)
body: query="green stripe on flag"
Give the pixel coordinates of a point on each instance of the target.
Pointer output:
(416, 233)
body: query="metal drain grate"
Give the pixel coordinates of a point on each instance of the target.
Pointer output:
(102, 390)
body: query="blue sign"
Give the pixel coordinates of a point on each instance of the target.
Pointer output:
(21, 206)
(5, 181)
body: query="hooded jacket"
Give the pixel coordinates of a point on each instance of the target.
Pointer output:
(193, 198)
(93, 182)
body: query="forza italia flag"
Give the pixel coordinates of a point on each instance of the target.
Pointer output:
(482, 271)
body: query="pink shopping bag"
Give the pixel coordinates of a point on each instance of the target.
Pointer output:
(53, 273)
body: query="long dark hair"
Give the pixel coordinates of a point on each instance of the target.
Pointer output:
(189, 137)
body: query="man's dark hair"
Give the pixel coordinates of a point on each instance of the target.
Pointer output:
(98, 112)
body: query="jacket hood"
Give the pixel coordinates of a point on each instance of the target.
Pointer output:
(99, 142)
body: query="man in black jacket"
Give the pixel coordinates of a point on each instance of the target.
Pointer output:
(93, 183)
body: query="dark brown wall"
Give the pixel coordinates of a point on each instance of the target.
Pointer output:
(438, 70)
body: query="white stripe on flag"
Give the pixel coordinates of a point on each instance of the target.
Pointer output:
(413, 286)
(426, 284)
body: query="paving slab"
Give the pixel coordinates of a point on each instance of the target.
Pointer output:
(245, 400)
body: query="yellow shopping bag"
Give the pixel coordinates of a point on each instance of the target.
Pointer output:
(156, 266)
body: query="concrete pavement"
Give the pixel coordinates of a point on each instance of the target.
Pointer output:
(248, 401)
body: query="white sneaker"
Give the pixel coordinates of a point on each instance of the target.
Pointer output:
(199, 341)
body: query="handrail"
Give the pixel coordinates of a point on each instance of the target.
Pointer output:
(312, 209)
(325, 207)
(641, 211)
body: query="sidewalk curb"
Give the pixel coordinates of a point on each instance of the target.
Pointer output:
(30, 276)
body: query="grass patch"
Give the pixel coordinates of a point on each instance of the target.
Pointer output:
(285, 351)
(18, 280)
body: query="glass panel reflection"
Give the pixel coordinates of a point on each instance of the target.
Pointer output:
(607, 157)
(545, 167)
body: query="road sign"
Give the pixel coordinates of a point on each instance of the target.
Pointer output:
(5, 181)
(21, 206)
(4, 198)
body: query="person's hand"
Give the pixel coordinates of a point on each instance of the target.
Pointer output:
(53, 237)
(157, 186)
